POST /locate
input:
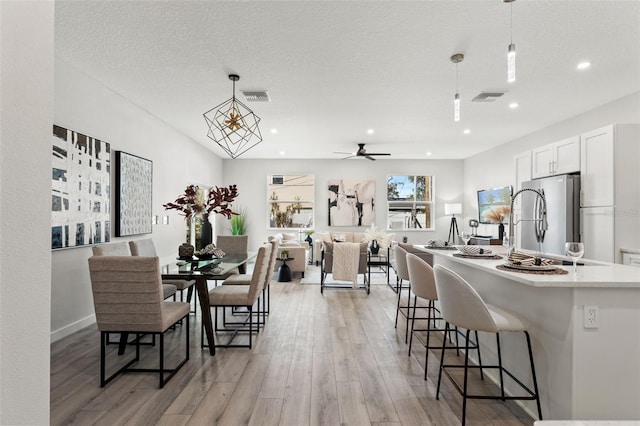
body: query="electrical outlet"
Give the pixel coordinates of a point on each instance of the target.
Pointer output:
(591, 316)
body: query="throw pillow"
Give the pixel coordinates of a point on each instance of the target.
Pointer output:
(288, 237)
(339, 238)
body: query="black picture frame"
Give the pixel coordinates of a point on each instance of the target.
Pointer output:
(133, 195)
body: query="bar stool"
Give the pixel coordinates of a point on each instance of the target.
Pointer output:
(462, 306)
(423, 286)
(402, 274)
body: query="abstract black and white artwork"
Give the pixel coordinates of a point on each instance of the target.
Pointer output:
(351, 202)
(80, 190)
(134, 179)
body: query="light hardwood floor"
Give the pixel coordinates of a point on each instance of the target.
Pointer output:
(332, 359)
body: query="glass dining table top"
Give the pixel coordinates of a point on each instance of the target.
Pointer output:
(182, 268)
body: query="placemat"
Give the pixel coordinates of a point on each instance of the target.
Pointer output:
(441, 248)
(556, 271)
(473, 256)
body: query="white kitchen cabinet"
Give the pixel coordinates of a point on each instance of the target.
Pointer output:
(597, 228)
(610, 181)
(556, 159)
(596, 182)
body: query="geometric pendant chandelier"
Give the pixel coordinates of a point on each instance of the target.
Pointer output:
(232, 125)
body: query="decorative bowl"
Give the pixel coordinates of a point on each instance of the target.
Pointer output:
(206, 256)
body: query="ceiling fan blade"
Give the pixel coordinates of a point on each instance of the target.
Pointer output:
(368, 157)
(349, 156)
(345, 153)
(378, 153)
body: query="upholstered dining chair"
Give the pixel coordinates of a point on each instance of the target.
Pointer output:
(234, 296)
(124, 249)
(146, 248)
(127, 297)
(245, 279)
(233, 244)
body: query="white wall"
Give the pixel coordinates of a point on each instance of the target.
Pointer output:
(494, 168)
(251, 178)
(26, 110)
(86, 106)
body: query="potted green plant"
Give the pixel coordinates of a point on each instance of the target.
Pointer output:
(284, 254)
(239, 222)
(309, 233)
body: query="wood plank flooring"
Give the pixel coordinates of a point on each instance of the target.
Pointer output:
(332, 359)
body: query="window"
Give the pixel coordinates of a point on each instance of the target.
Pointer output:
(290, 200)
(409, 202)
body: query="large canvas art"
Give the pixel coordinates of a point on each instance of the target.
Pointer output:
(134, 178)
(80, 191)
(351, 202)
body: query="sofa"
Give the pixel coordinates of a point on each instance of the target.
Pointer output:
(345, 236)
(297, 250)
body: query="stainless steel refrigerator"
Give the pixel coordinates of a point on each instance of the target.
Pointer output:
(562, 193)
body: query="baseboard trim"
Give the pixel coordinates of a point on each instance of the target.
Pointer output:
(72, 328)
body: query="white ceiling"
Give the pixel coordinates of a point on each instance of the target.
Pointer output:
(335, 69)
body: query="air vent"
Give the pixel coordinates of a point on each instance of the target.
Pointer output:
(261, 96)
(277, 180)
(487, 97)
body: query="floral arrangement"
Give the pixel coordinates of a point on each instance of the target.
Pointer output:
(372, 234)
(218, 201)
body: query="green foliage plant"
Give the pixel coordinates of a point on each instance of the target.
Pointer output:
(239, 222)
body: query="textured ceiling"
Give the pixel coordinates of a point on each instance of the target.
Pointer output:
(335, 69)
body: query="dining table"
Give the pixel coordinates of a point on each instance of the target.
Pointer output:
(202, 271)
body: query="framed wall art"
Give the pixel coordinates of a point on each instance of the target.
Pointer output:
(134, 188)
(80, 190)
(351, 202)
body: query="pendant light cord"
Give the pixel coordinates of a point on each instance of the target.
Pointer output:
(511, 20)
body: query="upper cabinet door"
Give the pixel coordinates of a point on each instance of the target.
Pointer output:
(557, 158)
(541, 161)
(597, 154)
(566, 154)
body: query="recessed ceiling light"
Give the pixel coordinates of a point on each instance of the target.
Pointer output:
(370, 131)
(466, 131)
(274, 131)
(513, 105)
(282, 153)
(428, 153)
(583, 65)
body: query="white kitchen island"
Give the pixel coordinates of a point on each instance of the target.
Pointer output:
(583, 374)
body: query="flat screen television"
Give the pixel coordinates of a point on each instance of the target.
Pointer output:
(494, 205)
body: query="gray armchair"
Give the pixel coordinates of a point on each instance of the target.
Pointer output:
(326, 263)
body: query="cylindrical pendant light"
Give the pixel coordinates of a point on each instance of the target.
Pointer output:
(456, 59)
(511, 50)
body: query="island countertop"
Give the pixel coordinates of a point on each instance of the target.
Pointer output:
(571, 354)
(596, 275)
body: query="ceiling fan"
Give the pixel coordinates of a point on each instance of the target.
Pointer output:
(362, 152)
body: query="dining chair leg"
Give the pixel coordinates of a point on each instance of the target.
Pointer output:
(466, 378)
(444, 344)
(500, 366)
(398, 303)
(479, 356)
(426, 355)
(413, 322)
(406, 332)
